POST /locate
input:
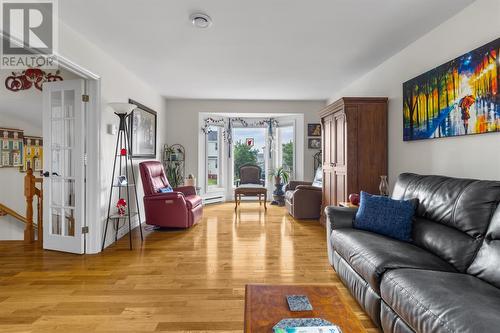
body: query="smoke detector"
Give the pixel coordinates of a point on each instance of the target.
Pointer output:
(201, 20)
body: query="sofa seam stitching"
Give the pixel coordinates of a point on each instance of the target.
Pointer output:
(419, 304)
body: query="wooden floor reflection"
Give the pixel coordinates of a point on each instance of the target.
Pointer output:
(182, 280)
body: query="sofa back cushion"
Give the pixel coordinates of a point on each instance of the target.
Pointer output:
(318, 178)
(452, 216)
(486, 265)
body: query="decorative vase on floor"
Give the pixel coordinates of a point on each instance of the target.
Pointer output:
(278, 194)
(384, 186)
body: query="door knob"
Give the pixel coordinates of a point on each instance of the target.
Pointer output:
(46, 174)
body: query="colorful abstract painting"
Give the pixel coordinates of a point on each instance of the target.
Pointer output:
(460, 97)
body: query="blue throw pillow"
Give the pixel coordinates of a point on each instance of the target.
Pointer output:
(385, 216)
(166, 189)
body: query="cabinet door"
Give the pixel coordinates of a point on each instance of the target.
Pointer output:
(327, 142)
(339, 163)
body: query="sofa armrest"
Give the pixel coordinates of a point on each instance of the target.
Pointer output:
(294, 183)
(337, 218)
(186, 190)
(309, 188)
(340, 217)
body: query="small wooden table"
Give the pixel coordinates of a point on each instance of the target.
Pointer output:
(257, 191)
(266, 305)
(347, 204)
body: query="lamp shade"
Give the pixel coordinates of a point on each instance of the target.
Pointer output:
(122, 108)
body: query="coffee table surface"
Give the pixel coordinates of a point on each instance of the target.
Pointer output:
(266, 305)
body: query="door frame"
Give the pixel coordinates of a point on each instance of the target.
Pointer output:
(92, 150)
(93, 210)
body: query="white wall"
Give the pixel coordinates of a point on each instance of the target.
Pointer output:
(471, 156)
(22, 110)
(183, 114)
(118, 84)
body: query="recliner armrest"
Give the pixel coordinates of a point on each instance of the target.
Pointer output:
(186, 190)
(309, 187)
(294, 183)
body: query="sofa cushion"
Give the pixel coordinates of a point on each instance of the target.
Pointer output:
(432, 301)
(192, 201)
(463, 207)
(486, 265)
(385, 216)
(289, 196)
(371, 255)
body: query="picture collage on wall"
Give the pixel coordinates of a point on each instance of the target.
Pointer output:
(314, 134)
(19, 150)
(460, 97)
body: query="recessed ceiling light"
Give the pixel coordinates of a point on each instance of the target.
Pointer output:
(201, 20)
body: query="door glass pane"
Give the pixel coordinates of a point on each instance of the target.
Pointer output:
(69, 103)
(56, 222)
(249, 146)
(69, 222)
(213, 157)
(69, 193)
(56, 161)
(287, 149)
(57, 133)
(56, 191)
(68, 164)
(68, 132)
(56, 104)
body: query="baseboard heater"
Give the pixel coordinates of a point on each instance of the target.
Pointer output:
(213, 199)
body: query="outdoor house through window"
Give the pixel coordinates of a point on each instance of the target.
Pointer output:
(229, 142)
(213, 158)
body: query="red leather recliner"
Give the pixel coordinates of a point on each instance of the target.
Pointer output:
(179, 209)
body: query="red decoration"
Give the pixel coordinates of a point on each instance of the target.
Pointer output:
(29, 78)
(122, 206)
(123, 152)
(354, 198)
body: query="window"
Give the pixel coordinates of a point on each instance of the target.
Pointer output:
(214, 158)
(286, 149)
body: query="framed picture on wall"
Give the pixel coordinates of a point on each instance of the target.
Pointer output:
(142, 126)
(314, 143)
(313, 129)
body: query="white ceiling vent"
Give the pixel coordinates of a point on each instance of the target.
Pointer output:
(201, 20)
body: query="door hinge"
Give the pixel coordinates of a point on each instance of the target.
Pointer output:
(85, 230)
(85, 98)
(85, 159)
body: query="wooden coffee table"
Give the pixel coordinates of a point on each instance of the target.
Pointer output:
(265, 305)
(260, 192)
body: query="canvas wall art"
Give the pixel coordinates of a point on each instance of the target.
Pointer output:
(11, 148)
(142, 124)
(460, 97)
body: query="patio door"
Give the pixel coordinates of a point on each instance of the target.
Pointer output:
(64, 170)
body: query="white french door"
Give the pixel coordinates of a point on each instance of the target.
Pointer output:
(64, 171)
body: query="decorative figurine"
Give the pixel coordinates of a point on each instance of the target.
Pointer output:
(122, 206)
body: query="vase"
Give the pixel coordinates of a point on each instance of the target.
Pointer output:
(384, 186)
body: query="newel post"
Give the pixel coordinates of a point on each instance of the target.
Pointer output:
(29, 192)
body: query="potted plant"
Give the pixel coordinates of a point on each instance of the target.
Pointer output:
(281, 177)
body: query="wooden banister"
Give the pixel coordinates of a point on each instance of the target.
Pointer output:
(30, 190)
(8, 211)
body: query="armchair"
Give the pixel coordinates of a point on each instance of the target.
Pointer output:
(250, 174)
(181, 208)
(303, 199)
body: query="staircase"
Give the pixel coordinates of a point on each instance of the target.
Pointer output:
(30, 192)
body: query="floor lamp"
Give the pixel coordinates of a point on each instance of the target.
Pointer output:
(122, 156)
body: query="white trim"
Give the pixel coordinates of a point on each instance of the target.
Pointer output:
(93, 151)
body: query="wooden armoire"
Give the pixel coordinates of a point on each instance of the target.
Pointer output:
(354, 140)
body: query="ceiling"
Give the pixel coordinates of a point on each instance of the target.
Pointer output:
(255, 49)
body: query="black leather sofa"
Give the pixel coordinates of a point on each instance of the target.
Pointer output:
(447, 279)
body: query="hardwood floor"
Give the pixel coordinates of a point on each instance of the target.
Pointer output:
(178, 281)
